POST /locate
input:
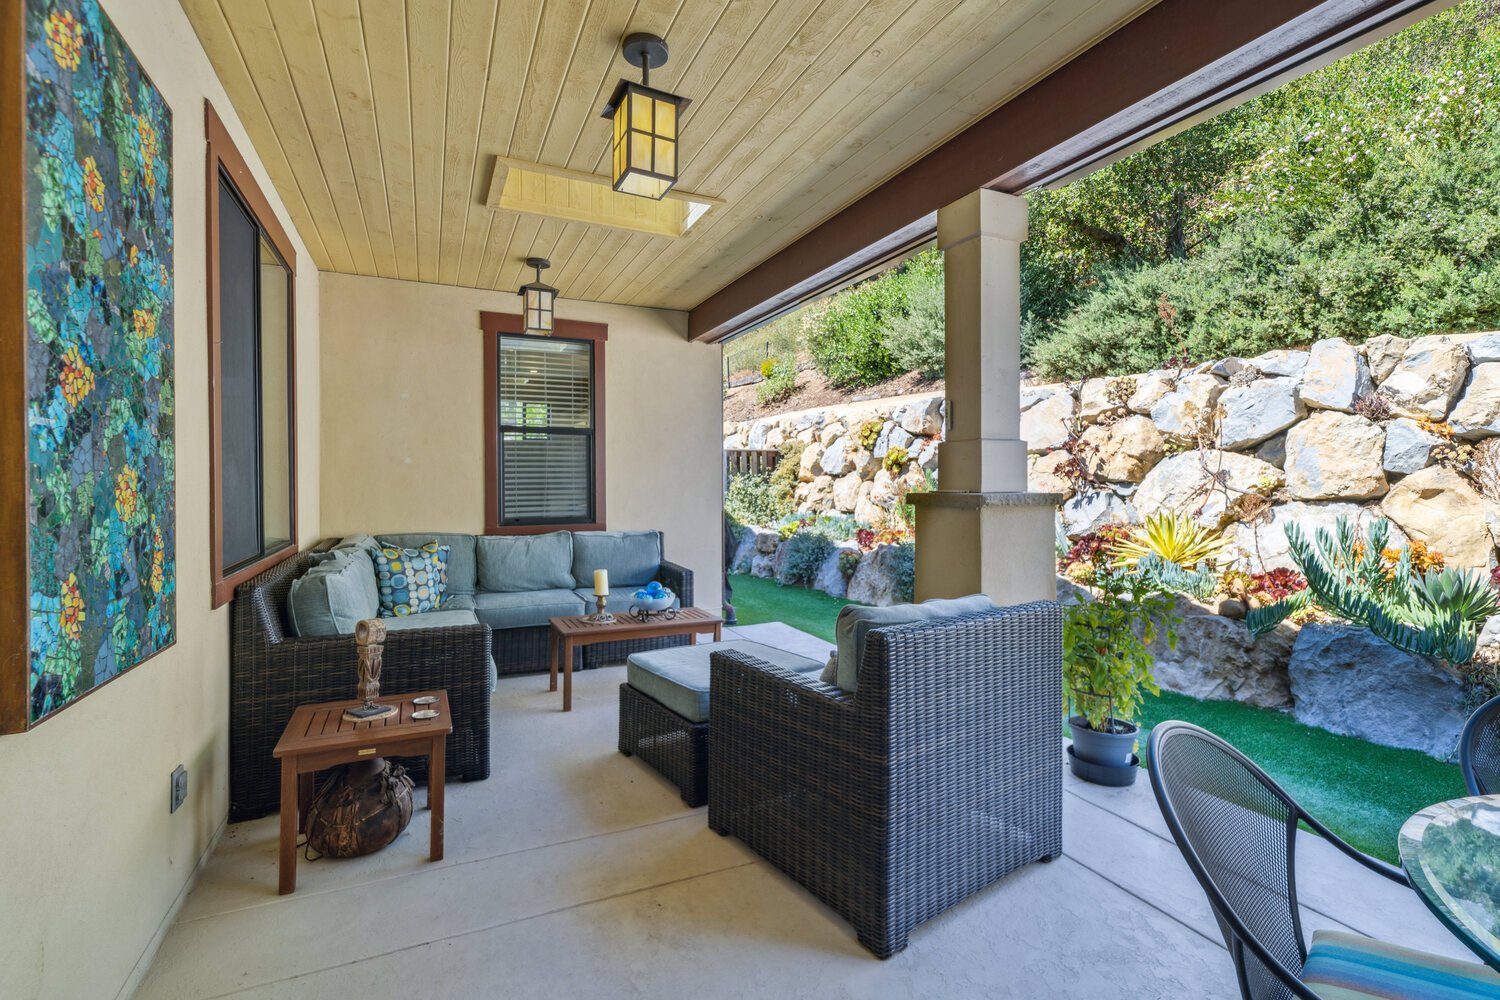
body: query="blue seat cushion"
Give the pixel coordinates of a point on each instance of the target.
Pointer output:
(522, 610)
(1342, 966)
(855, 622)
(677, 677)
(462, 566)
(620, 598)
(458, 602)
(511, 563)
(445, 618)
(631, 557)
(332, 596)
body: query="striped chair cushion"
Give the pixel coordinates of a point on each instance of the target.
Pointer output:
(1352, 967)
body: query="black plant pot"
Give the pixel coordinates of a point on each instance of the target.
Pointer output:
(1103, 758)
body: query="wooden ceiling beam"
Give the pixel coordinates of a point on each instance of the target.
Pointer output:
(1176, 60)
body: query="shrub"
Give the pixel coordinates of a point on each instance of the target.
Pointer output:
(850, 344)
(904, 570)
(848, 563)
(801, 556)
(839, 527)
(780, 381)
(1349, 577)
(784, 476)
(916, 339)
(1176, 538)
(751, 499)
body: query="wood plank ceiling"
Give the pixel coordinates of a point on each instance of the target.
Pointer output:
(380, 120)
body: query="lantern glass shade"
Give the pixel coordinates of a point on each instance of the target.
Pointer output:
(645, 139)
(537, 299)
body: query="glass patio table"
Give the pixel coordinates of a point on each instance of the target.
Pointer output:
(1451, 853)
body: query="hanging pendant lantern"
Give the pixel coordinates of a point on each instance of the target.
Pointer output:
(538, 298)
(644, 157)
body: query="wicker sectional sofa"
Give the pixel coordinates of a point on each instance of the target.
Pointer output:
(493, 619)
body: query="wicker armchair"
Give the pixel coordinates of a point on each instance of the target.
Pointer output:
(272, 672)
(1479, 749)
(940, 776)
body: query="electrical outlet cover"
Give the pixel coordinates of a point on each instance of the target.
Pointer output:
(179, 787)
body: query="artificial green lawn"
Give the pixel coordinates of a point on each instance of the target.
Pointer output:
(1363, 792)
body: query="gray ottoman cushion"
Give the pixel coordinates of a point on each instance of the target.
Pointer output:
(677, 677)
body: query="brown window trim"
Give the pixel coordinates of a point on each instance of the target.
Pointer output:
(493, 324)
(224, 157)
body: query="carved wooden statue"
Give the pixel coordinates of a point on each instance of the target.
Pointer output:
(369, 643)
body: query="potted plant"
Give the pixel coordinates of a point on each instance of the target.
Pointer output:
(1107, 659)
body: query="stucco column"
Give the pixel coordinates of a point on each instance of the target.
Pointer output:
(982, 532)
(980, 236)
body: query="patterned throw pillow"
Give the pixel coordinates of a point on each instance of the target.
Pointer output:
(411, 581)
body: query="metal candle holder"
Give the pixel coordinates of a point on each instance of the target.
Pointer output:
(600, 615)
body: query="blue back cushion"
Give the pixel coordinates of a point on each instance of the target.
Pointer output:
(855, 622)
(631, 557)
(511, 564)
(333, 595)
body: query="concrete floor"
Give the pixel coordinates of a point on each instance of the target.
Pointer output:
(574, 872)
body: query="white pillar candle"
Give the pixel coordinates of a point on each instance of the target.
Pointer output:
(601, 582)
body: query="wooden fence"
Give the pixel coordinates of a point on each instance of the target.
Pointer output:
(738, 461)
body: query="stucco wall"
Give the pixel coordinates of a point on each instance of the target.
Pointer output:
(403, 416)
(91, 861)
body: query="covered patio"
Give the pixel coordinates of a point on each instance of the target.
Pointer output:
(578, 872)
(455, 318)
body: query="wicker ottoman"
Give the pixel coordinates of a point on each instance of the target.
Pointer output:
(664, 708)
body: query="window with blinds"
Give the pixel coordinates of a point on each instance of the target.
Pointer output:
(544, 390)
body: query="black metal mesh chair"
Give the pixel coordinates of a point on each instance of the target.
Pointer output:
(1479, 749)
(1237, 829)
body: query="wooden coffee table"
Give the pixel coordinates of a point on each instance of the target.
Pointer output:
(573, 631)
(318, 737)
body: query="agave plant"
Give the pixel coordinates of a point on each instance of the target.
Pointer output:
(1174, 538)
(1437, 614)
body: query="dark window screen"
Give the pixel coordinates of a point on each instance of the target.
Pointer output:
(239, 374)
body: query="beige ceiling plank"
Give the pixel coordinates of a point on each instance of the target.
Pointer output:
(685, 30)
(694, 71)
(471, 42)
(296, 31)
(595, 56)
(497, 247)
(556, 37)
(599, 256)
(229, 63)
(1006, 36)
(515, 33)
(563, 251)
(386, 60)
(759, 122)
(254, 37)
(575, 248)
(427, 73)
(907, 41)
(341, 32)
(522, 245)
(1025, 56)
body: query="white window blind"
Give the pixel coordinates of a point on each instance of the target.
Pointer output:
(546, 409)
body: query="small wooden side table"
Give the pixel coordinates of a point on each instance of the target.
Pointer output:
(318, 737)
(572, 631)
